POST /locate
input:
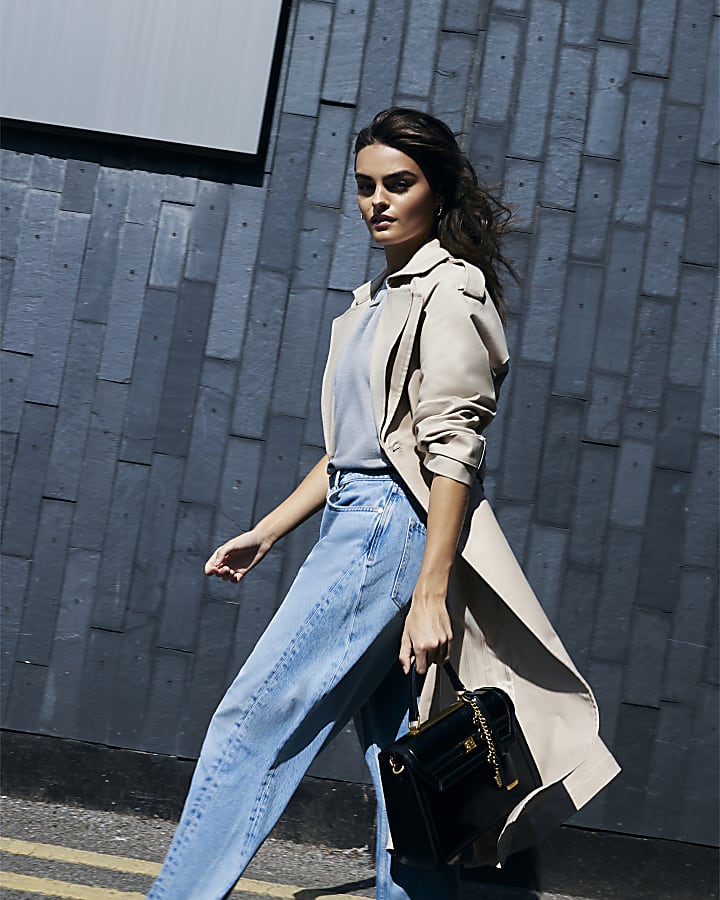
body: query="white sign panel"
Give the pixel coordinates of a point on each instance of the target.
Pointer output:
(186, 71)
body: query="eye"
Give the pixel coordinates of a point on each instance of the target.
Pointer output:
(365, 189)
(401, 186)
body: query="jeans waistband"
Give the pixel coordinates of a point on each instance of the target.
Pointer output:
(338, 476)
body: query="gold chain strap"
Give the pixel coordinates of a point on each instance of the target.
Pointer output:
(481, 722)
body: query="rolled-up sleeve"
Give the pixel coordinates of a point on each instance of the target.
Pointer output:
(457, 394)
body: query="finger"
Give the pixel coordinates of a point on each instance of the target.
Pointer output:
(406, 652)
(421, 661)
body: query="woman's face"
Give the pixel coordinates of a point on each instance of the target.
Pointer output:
(395, 199)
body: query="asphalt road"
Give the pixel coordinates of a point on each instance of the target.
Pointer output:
(50, 850)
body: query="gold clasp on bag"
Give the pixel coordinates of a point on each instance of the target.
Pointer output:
(469, 744)
(396, 769)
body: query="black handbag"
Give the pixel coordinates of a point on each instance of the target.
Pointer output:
(456, 777)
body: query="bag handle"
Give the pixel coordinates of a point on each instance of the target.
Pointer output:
(413, 711)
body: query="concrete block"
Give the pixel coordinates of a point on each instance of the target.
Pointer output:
(238, 488)
(465, 16)
(8, 446)
(106, 225)
(335, 304)
(702, 227)
(25, 697)
(301, 541)
(657, 28)
(683, 668)
(699, 821)
(209, 679)
(640, 424)
(259, 603)
(639, 150)
(387, 29)
(522, 178)
(607, 104)
(530, 121)
(260, 352)
(15, 574)
(154, 546)
(193, 529)
(701, 535)
(180, 188)
(330, 159)
(617, 314)
(664, 537)
(207, 231)
(35, 640)
(662, 260)
(73, 417)
(48, 173)
(15, 165)
(14, 369)
(350, 248)
(545, 565)
(632, 484)
(26, 484)
(297, 352)
(696, 606)
(64, 682)
(558, 467)
(710, 413)
(514, 519)
(452, 78)
(126, 303)
(419, 49)
(669, 774)
(13, 195)
(237, 265)
(121, 534)
(278, 476)
(577, 609)
(678, 429)
(345, 54)
(591, 506)
(166, 700)
(7, 270)
(78, 190)
(180, 612)
(146, 189)
(561, 174)
(691, 48)
(677, 154)
(578, 327)
(499, 62)
(146, 388)
(171, 239)
(97, 698)
(619, 583)
(546, 286)
(30, 283)
(132, 677)
(517, 248)
(286, 193)
(712, 659)
(185, 361)
(709, 141)
(650, 353)
(531, 386)
(581, 22)
(315, 247)
(594, 205)
(512, 7)
(98, 473)
(210, 427)
(619, 20)
(56, 312)
(569, 107)
(650, 630)
(307, 58)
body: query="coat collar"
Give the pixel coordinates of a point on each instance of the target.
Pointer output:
(426, 258)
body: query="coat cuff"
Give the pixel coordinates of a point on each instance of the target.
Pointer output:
(450, 468)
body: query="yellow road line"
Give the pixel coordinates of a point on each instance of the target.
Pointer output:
(49, 887)
(55, 853)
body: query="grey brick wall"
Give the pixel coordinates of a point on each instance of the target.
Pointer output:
(164, 338)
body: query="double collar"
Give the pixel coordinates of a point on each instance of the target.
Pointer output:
(425, 259)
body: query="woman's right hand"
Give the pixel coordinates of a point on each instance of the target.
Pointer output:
(235, 558)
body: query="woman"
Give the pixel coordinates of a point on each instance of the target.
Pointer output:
(410, 562)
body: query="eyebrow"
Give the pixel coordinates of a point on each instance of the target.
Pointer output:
(403, 173)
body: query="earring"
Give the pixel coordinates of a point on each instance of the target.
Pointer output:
(438, 211)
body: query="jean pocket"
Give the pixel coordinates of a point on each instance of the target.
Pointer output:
(354, 497)
(406, 574)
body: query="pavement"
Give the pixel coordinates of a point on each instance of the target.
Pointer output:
(51, 850)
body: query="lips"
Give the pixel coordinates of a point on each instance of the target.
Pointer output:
(381, 220)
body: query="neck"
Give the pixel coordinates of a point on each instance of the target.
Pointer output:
(398, 256)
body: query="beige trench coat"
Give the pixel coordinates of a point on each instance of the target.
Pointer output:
(438, 361)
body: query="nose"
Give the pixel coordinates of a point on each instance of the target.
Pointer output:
(379, 199)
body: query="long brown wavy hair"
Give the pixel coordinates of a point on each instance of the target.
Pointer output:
(471, 220)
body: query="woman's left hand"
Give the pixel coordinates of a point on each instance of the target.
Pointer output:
(427, 635)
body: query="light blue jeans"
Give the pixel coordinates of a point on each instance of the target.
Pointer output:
(328, 655)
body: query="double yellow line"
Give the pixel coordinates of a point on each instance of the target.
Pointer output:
(50, 887)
